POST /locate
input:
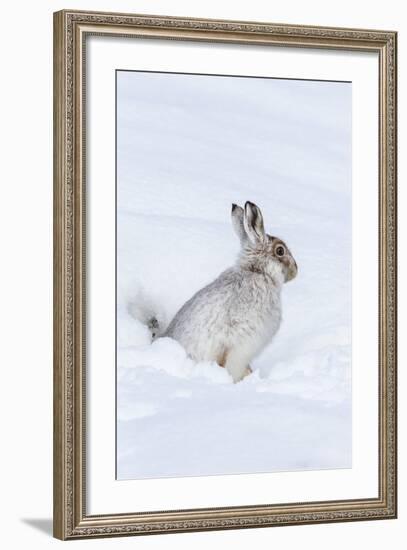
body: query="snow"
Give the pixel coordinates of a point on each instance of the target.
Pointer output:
(188, 147)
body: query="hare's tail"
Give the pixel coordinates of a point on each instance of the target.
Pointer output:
(146, 311)
(154, 327)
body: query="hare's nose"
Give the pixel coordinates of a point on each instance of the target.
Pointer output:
(293, 270)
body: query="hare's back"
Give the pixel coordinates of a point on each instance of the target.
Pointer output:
(207, 307)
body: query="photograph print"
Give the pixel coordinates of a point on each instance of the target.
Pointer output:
(233, 275)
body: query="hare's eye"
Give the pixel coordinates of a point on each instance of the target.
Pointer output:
(280, 251)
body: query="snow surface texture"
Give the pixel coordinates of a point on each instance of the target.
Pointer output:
(188, 147)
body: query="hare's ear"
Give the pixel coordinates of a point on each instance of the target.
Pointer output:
(253, 223)
(237, 221)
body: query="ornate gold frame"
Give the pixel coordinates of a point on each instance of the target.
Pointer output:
(70, 518)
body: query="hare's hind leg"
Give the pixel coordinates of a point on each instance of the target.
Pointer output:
(237, 364)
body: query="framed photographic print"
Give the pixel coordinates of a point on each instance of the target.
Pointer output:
(225, 274)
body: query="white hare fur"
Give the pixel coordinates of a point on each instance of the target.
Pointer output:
(233, 318)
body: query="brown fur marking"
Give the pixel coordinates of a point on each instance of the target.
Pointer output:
(222, 358)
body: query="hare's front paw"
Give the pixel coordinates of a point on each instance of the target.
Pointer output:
(246, 371)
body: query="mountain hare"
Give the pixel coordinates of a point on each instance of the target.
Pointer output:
(232, 319)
